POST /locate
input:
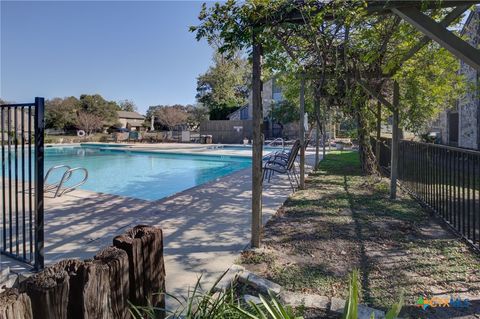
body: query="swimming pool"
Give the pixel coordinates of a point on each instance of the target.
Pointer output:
(245, 148)
(144, 175)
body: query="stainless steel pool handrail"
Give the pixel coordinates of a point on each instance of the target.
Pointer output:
(66, 176)
(47, 186)
(276, 140)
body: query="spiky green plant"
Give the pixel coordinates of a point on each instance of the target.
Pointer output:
(198, 304)
(268, 309)
(395, 310)
(351, 305)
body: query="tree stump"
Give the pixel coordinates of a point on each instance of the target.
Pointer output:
(116, 262)
(15, 305)
(144, 247)
(49, 293)
(133, 271)
(75, 271)
(96, 291)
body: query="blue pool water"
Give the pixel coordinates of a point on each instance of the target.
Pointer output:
(141, 175)
(249, 147)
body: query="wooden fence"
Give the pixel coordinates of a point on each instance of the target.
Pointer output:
(230, 132)
(132, 270)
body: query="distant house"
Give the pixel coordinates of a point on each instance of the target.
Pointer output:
(460, 126)
(131, 120)
(271, 94)
(17, 116)
(240, 114)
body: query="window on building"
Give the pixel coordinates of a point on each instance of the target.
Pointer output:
(276, 92)
(244, 113)
(453, 128)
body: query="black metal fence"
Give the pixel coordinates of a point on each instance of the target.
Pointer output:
(446, 179)
(22, 129)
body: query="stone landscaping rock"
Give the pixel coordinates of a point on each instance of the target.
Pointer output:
(337, 305)
(309, 301)
(259, 283)
(365, 312)
(255, 300)
(229, 278)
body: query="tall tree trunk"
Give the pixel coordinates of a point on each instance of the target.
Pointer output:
(316, 107)
(302, 132)
(367, 157)
(257, 143)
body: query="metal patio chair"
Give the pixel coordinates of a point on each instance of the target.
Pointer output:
(282, 165)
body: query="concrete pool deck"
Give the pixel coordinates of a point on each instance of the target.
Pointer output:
(205, 227)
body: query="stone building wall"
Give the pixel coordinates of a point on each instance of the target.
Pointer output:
(267, 99)
(440, 125)
(468, 105)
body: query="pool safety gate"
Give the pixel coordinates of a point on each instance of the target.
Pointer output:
(22, 129)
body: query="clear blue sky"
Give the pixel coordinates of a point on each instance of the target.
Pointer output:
(141, 51)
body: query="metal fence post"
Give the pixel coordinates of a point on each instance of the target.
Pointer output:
(444, 178)
(39, 123)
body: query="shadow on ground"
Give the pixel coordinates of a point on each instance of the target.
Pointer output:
(345, 221)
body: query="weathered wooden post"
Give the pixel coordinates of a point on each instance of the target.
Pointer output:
(317, 130)
(379, 132)
(112, 269)
(317, 145)
(395, 139)
(302, 131)
(324, 139)
(257, 143)
(49, 292)
(15, 305)
(144, 247)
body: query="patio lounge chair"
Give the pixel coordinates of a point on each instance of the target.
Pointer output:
(283, 166)
(282, 156)
(150, 137)
(121, 137)
(134, 136)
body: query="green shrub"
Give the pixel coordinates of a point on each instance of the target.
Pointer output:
(201, 304)
(268, 308)
(198, 304)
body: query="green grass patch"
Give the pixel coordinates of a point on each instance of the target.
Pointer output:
(345, 220)
(254, 258)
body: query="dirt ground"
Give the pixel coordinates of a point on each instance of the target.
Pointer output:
(345, 221)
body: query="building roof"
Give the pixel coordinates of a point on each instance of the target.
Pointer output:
(475, 10)
(134, 124)
(130, 115)
(237, 111)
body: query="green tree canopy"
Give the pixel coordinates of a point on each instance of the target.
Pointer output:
(224, 87)
(336, 43)
(127, 105)
(97, 105)
(190, 115)
(61, 113)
